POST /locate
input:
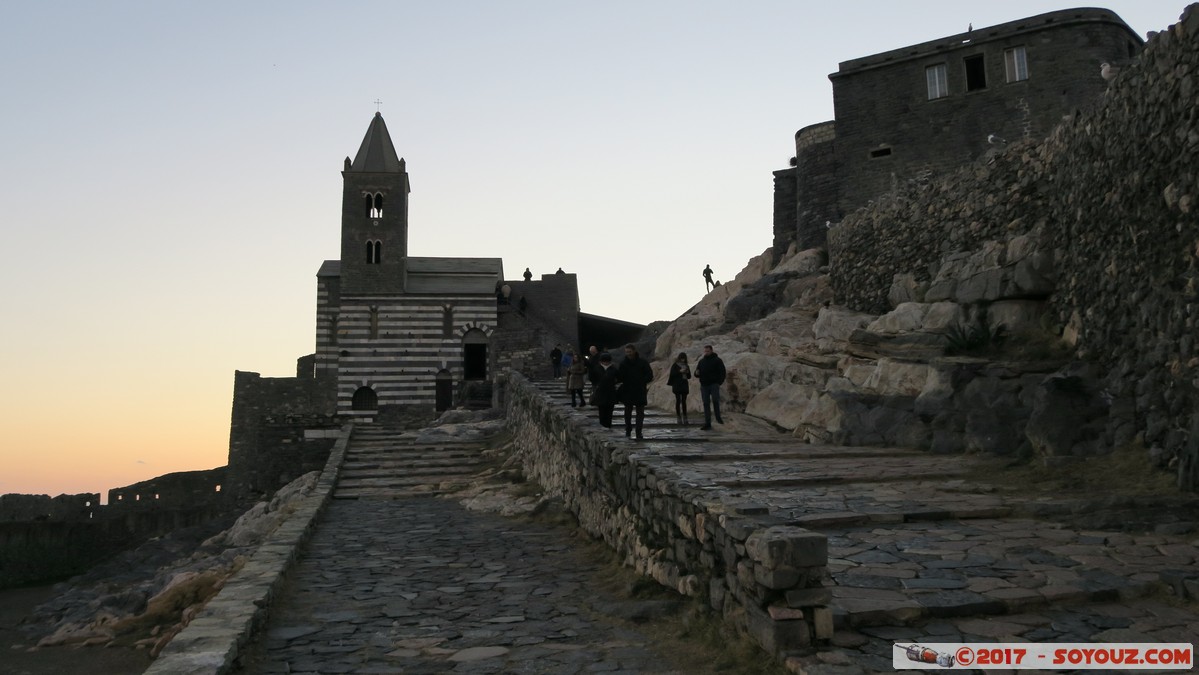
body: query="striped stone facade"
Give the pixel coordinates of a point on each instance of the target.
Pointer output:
(398, 345)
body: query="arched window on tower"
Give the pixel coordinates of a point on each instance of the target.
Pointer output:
(374, 205)
(374, 325)
(374, 252)
(447, 320)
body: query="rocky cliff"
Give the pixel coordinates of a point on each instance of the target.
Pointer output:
(1042, 300)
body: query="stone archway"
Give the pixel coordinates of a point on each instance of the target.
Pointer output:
(474, 355)
(365, 398)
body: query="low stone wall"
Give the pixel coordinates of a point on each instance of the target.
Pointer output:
(761, 574)
(211, 642)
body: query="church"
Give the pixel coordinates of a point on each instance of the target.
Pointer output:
(399, 338)
(394, 329)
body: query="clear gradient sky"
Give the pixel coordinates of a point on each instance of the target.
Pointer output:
(170, 178)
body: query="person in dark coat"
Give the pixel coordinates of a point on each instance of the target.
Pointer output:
(604, 395)
(634, 374)
(709, 370)
(593, 366)
(680, 372)
(556, 361)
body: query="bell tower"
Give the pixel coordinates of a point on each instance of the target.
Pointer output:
(374, 217)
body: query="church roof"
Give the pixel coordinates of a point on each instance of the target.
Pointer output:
(377, 154)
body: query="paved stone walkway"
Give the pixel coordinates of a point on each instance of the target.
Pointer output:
(919, 551)
(420, 585)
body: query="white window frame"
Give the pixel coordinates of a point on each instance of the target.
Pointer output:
(1015, 64)
(937, 79)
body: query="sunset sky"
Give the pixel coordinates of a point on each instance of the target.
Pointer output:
(170, 178)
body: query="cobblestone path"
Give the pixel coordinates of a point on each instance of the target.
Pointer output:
(420, 585)
(921, 551)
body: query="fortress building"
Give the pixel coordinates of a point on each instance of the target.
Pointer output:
(910, 113)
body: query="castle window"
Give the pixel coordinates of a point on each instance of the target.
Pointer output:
(882, 151)
(1015, 64)
(374, 205)
(976, 72)
(374, 252)
(374, 323)
(447, 321)
(938, 81)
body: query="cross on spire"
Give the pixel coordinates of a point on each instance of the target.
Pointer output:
(377, 104)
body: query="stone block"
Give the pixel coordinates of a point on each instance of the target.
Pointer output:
(776, 579)
(787, 546)
(776, 636)
(822, 623)
(783, 613)
(809, 597)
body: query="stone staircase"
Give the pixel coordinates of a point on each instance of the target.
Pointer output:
(383, 463)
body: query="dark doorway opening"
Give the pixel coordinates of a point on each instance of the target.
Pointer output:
(445, 390)
(365, 398)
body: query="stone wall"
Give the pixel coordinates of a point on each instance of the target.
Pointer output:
(23, 508)
(181, 490)
(762, 575)
(280, 428)
(1099, 219)
(32, 552)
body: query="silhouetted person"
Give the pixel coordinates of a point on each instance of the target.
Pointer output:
(680, 372)
(604, 396)
(708, 284)
(556, 361)
(634, 374)
(576, 375)
(709, 370)
(528, 274)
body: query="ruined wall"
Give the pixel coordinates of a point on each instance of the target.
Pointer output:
(762, 577)
(22, 508)
(181, 490)
(1110, 195)
(280, 428)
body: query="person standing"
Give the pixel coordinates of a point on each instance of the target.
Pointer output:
(709, 370)
(634, 374)
(556, 361)
(604, 396)
(708, 284)
(576, 375)
(593, 367)
(680, 372)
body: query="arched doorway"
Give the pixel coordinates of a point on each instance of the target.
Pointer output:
(474, 355)
(445, 390)
(365, 398)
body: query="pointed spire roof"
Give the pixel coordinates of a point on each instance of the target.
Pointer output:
(377, 154)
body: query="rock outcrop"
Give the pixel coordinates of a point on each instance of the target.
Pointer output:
(958, 314)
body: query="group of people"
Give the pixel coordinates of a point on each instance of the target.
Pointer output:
(629, 383)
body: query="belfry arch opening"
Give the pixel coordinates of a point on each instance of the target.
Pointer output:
(374, 205)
